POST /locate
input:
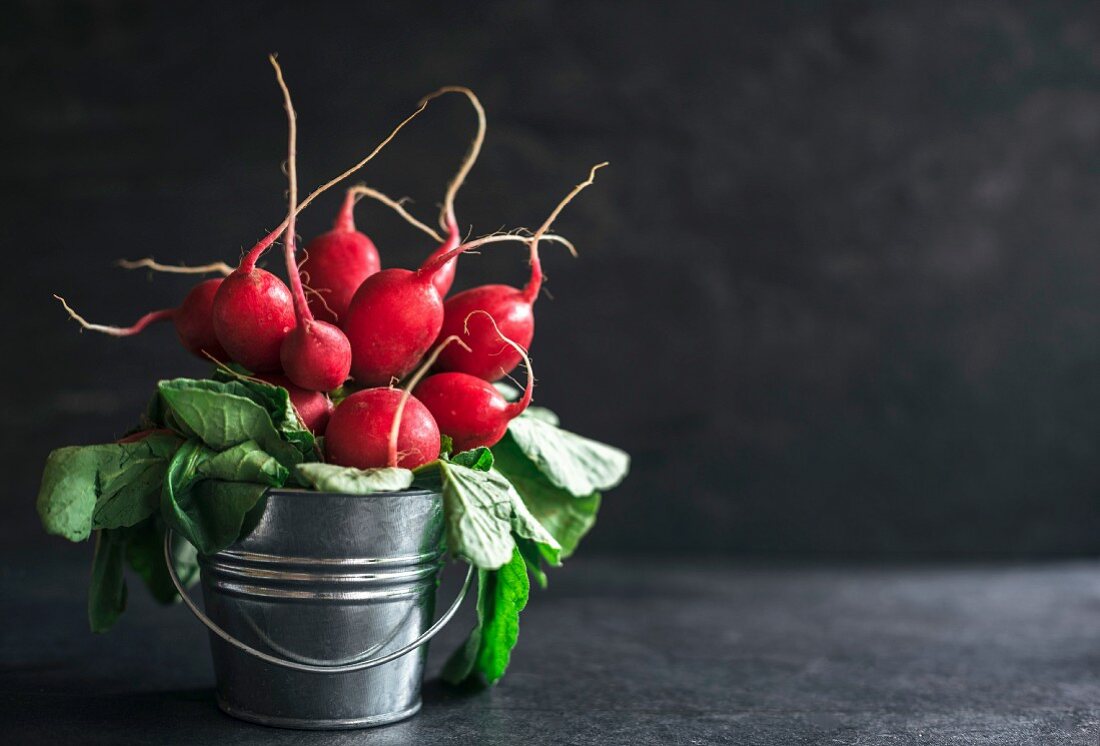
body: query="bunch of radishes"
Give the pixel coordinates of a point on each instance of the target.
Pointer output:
(367, 328)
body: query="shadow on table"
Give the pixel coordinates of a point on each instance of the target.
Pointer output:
(438, 694)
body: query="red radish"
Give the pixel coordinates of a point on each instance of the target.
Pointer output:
(510, 308)
(384, 426)
(253, 309)
(315, 354)
(253, 313)
(469, 409)
(337, 262)
(313, 407)
(192, 320)
(395, 316)
(358, 433)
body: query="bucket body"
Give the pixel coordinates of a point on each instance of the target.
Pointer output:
(326, 579)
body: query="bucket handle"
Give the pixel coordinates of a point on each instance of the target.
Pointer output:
(308, 667)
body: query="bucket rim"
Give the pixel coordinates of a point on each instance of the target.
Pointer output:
(303, 492)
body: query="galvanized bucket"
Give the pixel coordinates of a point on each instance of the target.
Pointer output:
(318, 618)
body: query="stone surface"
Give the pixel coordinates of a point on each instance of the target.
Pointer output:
(624, 652)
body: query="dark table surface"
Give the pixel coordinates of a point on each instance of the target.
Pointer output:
(626, 652)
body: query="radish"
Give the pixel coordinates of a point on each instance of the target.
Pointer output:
(313, 407)
(253, 313)
(395, 317)
(192, 319)
(469, 409)
(337, 262)
(253, 309)
(384, 426)
(511, 310)
(315, 354)
(358, 432)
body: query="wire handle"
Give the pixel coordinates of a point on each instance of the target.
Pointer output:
(307, 667)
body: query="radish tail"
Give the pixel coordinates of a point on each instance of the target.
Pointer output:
(531, 290)
(119, 331)
(179, 269)
(301, 307)
(516, 407)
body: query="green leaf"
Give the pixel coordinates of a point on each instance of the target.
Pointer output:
(107, 592)
(482, 510)
(351, 481)
(480, 458)
(246, 462)
(501, 596)
(527, 526)
(566, 517)
(542, 413)
(145, 555)
(76, 478)
(478, 506)
(223, 414)
(131, 493)
(532, 557)
(446, 445)
(220, 414)
(284, 416)
(576, 464)
(207, 512)
(507, 390)
(223, 508)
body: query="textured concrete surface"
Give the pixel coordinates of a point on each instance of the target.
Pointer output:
(620, 652)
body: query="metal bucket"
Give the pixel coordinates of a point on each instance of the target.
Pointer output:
(320, 615)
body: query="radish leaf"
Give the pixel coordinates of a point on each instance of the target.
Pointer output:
(351, 481)
(483, 509)
(501, 596)
(107, 592)
(101, 486)
(576, 464)
(566, 517)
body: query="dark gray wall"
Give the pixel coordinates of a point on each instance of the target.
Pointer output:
(837, 292)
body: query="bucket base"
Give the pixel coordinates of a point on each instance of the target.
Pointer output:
(308, 724)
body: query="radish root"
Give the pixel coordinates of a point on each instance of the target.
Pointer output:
(249, 260)
(434, 264)
(514, 408)
(397, 206)
(531, 291)
(235, 374)
(152, 264)
(362, 190)
(119, 331)
(447, 220)
(302, 307)
(318, 295)
(429, 361)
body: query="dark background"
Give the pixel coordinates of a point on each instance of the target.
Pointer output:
(837, 292)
